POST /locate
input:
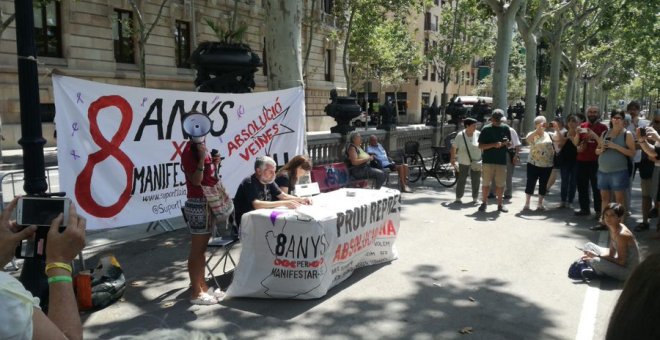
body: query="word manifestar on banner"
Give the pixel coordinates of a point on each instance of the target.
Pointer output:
(119, 147)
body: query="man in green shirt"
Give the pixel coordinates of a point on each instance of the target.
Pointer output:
(493, 142)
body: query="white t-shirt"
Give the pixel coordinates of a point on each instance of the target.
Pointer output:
(461, 151)
(16, 308)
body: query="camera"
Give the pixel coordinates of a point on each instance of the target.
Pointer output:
(39, 211)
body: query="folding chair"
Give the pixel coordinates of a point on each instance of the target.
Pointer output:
(222, 240)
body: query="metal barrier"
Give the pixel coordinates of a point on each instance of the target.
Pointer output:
(17, 176)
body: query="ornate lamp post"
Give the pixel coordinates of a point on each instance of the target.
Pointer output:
(32, 141)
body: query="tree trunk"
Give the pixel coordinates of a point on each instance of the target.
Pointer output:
(142, 44)
(310, 37)
(283, 43)
(571, 92)
(344, 58)
(505, 22)
(555, 71)
(531, 86)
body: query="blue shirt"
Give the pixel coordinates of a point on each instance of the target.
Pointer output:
(379, 153)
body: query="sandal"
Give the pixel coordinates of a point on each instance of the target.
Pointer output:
(204, 299)
(642, 227)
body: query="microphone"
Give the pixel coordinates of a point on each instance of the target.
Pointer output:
(214, 152)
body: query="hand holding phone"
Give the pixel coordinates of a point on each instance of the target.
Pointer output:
(583, 130)
(642, 132)
(40, 212)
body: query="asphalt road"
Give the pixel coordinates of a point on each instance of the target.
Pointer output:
(501, 274)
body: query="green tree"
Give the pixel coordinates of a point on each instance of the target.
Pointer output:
(530, 19)
(464, 31)
(359, 22)
(505, 12)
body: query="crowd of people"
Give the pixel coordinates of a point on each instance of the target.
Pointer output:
(590, 159)
(583, 152)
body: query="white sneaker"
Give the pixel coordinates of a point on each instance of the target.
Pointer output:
(204, 299)
(475, 200)
(216, 293)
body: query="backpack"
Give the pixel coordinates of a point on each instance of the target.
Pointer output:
(580, 270)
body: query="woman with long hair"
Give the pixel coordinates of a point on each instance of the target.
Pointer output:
(291, 172)
(200, 170)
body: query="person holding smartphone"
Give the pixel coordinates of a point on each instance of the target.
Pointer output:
(589, 133)
(614, 150)
(20, 315)
(494, 141)
(540, 162)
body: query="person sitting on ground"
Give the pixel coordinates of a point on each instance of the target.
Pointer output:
(291, 172)
(619, 260)
(20, 315)
(359, 160)
(376, 149)
(465, 150)
(259, 191)
(635, 313)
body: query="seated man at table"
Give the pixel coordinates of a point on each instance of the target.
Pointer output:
(379, 152)
(259, 191)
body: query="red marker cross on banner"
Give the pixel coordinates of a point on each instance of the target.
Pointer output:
(178, 150)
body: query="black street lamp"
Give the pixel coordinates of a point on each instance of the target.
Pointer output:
(585, 80)
(32, 141)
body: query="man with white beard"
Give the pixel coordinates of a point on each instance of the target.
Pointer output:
(259, 191)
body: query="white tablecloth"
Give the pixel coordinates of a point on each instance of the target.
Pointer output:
(303, 253)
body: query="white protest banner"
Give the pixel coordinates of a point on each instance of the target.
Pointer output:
(302, 253)
(119, 147)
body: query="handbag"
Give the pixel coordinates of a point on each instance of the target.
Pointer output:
(217, 200)
(474, 165)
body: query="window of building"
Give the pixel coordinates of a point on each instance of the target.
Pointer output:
(121, 34)
(328, 6)
(48, 29)
(427, 21)
(329, 65)
(426, 46)
(436, 20)
(182, 48)
(433, 71)
(426, 73)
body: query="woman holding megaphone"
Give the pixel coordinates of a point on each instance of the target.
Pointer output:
(199, 167)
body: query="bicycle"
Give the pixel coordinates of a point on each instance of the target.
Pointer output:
(441, 169)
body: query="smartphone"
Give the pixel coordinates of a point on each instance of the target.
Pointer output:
(642, 131)
(583, 130)
(41, 211)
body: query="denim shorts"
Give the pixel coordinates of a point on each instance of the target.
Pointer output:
(613, 181)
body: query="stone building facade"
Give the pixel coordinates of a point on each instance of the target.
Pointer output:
(91, 39)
